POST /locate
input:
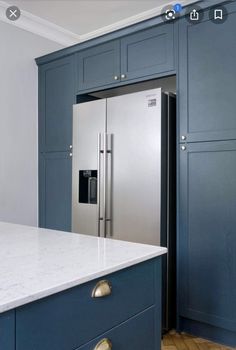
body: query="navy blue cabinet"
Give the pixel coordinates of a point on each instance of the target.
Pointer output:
(55, 171)
(146, 53)
(7, 330)
(98, 66)
(56, 97)
(138, 333)
(207, 81)
(130, 316)
(206, 239)
(149, 52)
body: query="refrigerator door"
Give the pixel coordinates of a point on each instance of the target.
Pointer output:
(134, 169)
(89, 123)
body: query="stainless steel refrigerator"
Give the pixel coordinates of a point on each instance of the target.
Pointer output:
(123, 173)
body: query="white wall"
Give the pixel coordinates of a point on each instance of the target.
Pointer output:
(18, 123)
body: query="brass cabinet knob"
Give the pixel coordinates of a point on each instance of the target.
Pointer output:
(104, 344)
(102, 289)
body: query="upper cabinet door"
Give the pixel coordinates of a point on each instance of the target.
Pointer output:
(98, 65)
(207, 82)
(148, 52)
(56, 98)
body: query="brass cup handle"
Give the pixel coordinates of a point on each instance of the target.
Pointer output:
(102, 289)
(104, 344)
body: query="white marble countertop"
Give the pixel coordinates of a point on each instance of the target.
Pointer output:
(35, 263)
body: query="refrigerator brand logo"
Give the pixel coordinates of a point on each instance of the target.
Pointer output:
(152, 102)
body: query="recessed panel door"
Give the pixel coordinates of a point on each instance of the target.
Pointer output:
(55, 190)
(207, 240)
(207, 81)
(98, 65)
(148, 52)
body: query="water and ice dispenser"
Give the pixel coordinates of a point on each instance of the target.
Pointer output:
(88, 186)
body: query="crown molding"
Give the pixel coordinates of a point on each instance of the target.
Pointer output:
(143, 16)
(48, 30)
(39, 26)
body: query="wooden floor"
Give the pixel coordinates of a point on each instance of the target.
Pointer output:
(175, 341)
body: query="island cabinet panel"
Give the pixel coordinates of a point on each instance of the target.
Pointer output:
(7, 330)
(67, 320)
(207, 240)
(56, 97)
(148, 52)
(138, 333)
(55, 172)
(207, 81)
(98, 65)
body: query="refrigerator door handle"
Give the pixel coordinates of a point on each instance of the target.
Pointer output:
(109, 155)
(105, 182)
(99, 152)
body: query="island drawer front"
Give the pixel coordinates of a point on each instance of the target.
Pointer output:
(142, 332)
(66, 320)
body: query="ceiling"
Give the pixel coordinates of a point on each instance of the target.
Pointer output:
(85, 16)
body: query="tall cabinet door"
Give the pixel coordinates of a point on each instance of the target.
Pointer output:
(55, 190)
(207, 235)
(56, 98)
(207, 81)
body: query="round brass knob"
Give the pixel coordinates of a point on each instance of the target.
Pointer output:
(102, 289)
(104, 344)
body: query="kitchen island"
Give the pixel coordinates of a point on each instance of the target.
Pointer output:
(65, 291)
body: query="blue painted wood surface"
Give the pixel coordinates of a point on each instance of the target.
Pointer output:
(72, 318)
(138, 333)
(207, 84)
(7, 330)
(148, 52)
(98, 66)
(55, 173)
(206, 238)
(56, 97)
(206, 331)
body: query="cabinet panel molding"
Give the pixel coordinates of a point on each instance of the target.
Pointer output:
(206, 235)
(148, 52)
(56, 97)
(98, 66)
(207, 84)
(55, 182)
